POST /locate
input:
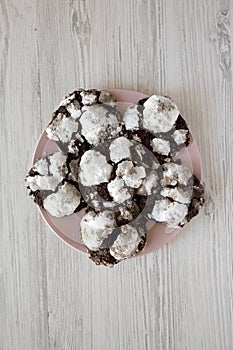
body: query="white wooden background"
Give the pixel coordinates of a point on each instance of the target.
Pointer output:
(52, 297)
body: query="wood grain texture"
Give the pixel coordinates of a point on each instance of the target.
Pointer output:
(52, 297)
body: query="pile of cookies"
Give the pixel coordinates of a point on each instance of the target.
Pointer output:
(120, 168)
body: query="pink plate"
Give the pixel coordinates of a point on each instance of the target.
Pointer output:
(68, 228)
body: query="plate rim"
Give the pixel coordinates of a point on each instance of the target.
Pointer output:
(149, 246)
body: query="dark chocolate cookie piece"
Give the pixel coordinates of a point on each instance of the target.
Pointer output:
(50, 186)
(157, 123)
(198, 198)
(84, 117)
(102, 257)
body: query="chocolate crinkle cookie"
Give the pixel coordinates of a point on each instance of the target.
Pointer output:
(121, 169)
(83, 119)
(106, 242)
(51, 185)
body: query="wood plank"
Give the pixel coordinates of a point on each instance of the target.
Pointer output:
(22, 254)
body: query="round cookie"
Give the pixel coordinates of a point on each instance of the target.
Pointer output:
(96, 227)
(84, 118)
(108, 244)
(48, 188)
(180, 197)
(157, 123)
(129, 242)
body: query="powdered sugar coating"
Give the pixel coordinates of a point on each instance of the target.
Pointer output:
(47, 177)
(62, 128)
(49, 172)
(160, 114)
(148, 185)
(180, 136)
(127, 242)
(170, 212)
(132, 175)
(131, 117)
(74, 108)
(124, 168)
(67, 100)
(63, 202)
(88, 97)
(129, 212)
(118, 190)
(177, 194)
(94, 168)
(75, 144)
(106, 98)
(120, 149)
(161, 146)
(98, 124)
(95, 227)
(174, 174)
(135, 176)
